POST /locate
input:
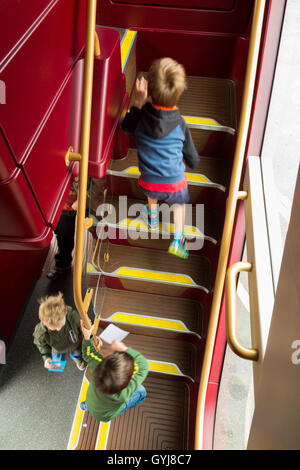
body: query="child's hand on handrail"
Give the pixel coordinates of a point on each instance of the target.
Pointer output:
(86, 332)
(141, 92)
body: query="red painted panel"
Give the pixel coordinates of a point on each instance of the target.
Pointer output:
(19, 214)
(44, 165)
(209, 417)
(238, 239)
(201, 54)
(108, 95)
(7, 162)
(35, 73)
(18, 271)
(126, 15)
(197, 4)
(266, 75)
(16, 18)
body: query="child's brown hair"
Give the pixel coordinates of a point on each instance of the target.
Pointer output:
(114, 372)
(166, 82)
(52, 309)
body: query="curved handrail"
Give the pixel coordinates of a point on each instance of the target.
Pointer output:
(92, 48)
(233, 196)
(231, 314)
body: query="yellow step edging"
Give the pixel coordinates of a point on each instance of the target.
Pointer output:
(148, 275)
(193, 179)
(102, 436)
(148, 321)
(77, 421)
(156, 276)
(199, 122)
(126, 46)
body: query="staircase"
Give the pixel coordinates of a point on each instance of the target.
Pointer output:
(163, 301)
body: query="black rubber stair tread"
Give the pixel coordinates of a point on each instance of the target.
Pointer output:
(212, 169)
(117, 216)
(151, 265)
(168, 356)
(210, 97)
(148, 311)
(159, 423)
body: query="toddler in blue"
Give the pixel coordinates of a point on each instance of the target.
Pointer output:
(164, 143)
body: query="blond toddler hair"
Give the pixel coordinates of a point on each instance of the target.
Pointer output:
(166, 82)
(52, 310)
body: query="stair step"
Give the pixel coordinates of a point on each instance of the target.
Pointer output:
(116, 210)
(150, 265)
(210, 172)
(166, 404)
(159, 423)
(170, 356)
(209, 103)
(148, 311)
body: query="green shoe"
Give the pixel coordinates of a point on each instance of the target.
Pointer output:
(178, 248)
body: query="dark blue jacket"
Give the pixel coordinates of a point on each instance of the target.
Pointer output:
(163, 142)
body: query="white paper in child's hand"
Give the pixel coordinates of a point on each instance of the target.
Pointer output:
(112, 332)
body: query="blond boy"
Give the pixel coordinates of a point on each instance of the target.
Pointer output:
(58, 332)
(164, 143)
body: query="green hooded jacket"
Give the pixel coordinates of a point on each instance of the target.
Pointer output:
(66, 340)
(104, 407)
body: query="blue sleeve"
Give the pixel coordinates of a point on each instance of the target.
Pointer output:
(131, 120)
(190, 154)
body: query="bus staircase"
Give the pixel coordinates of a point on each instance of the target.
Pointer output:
(161, 300)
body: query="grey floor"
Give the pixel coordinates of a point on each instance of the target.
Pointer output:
(36, 406)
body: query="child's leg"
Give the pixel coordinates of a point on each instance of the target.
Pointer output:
(78, 359)
(151, 214)
(179, 218)
(178, 245)
(77, 354)
(152, 204)
(65, 232)
(137, 397)
(58, 357)
(83, 406)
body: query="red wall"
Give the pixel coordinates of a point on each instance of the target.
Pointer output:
(221, 16)
(39, 47)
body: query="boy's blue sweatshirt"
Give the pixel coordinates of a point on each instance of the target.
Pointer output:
(163, 142)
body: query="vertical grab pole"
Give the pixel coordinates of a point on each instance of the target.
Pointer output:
(81, 223)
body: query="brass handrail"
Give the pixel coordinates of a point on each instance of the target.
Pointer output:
(233, 196)
(231, 314)
(92, 48)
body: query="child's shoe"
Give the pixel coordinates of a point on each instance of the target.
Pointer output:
(57, 271)
(178, 248)
(83, 406)
(150, 217)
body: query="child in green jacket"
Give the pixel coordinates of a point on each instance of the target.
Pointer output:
(116, 380)
(58, 333)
